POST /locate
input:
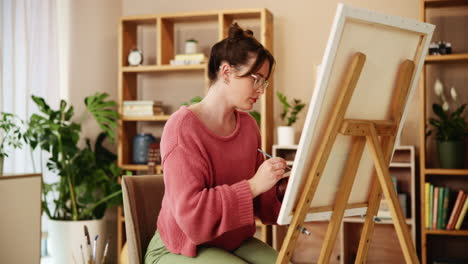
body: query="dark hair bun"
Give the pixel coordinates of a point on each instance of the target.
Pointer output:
(236, 33)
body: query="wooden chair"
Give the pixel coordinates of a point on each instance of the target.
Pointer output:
(142, 198)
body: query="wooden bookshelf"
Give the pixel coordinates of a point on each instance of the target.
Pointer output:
(163, 32)
(438, 243)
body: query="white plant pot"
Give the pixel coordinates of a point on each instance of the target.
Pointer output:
(285, 135)
(65, 238)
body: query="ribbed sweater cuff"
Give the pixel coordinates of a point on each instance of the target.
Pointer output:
(244, 202)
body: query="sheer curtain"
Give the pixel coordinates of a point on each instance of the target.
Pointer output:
(30, 65)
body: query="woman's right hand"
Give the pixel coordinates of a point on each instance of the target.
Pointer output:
(268, 174)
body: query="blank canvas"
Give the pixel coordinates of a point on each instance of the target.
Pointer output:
(386, 41)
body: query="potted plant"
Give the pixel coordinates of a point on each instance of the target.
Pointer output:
(87, 176)
(11, 135)
(450, 127)
(289, 117)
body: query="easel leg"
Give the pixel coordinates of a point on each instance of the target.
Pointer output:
(368, 228)
(386, 184)
(374, 202)
(313, 178)
(342, 199)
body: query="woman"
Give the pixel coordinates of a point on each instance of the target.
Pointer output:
(215, 179)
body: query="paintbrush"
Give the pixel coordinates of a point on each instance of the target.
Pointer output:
(94, 248)
(106, 247)
(269, 156)
(82, 255)
(88, 241)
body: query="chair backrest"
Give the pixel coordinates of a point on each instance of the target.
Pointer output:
(20, 224)
(142, 197)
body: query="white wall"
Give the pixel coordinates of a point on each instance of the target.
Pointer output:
(93, 67)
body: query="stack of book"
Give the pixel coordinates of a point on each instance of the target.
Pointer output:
(384, 209)
(187, 59)
(441, 213)
(142, 108)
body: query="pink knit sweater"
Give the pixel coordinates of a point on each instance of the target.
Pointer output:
(207, 199)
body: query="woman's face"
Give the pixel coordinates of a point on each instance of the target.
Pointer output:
(245, 91)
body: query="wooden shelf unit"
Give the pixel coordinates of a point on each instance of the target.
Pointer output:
(403, 166)
(157, 56)
(437, 243)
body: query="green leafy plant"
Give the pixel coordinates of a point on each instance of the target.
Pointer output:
(257, 116)
(290, 110)
(194, 100)
(88, 176)
(450, 126)
(11, 134)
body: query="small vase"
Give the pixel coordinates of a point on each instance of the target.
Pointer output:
(285, 135)
(141, 144)
(451, 154)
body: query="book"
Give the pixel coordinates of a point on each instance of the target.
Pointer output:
(440, 207)
(191, 56)
(445, 207)
(142, 102)
(427, 188)
(187, 59)
(431, 205)
(462, 202)
(455, 210)
(435, 207)
(142, 108)
(461, 218)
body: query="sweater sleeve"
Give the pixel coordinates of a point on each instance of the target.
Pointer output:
(267, 206)
(201, 212)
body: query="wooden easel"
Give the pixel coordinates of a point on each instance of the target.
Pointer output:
(362, 131)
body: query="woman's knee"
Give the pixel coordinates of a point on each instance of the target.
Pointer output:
(205, 255)
(256, 252)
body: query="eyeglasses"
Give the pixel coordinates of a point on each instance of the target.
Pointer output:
(259, 82)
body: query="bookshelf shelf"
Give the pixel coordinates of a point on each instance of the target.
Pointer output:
(444, 3)
(450, 58)
(446, 172)
(400, 165)
(162, 68)
(447, 232)
(409, 221)
(138, 167)
(146, 118)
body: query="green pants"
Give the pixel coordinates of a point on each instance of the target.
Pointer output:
(251, 251)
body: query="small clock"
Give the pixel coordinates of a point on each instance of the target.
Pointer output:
(135, 57)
